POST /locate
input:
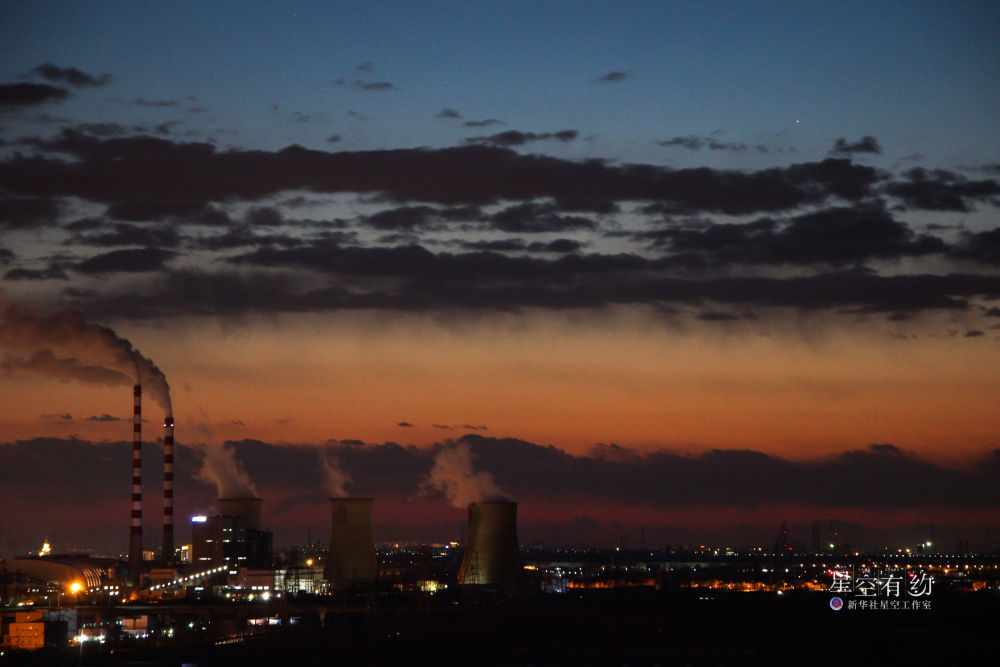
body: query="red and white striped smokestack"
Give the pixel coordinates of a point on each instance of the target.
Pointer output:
(168, 489)
(135, 530)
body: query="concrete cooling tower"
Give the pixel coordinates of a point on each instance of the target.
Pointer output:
(492, 553)
(248, 508)
(351, 560)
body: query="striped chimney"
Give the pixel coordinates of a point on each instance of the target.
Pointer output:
(168, 489)
(135, 530)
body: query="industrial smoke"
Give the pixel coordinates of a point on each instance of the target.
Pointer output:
(65, 346)
(335, 478)
(220, 467)
(454, 474)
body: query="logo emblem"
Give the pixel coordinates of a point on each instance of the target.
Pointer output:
(836, 604)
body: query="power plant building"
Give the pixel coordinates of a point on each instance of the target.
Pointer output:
(351, 559)
(232, 538)
(492, 553)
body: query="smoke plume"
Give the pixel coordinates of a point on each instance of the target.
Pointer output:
(220, 467)
(454, 475)
(45, 362)
(335, 479)
(65, 346)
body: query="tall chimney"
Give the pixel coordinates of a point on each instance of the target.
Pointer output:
(248, 508)
(351, 559)
(168, 489)
(135, 531)
(492, 554)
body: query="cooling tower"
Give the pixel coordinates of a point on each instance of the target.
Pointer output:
(168, 489)
(492, 553)
(248, 508)
(135, 529)
(351, 559)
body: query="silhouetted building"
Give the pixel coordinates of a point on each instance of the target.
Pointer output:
(226, 540)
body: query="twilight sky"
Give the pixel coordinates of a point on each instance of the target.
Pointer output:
(698, 266)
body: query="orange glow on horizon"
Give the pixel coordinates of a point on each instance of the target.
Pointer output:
(548, 380)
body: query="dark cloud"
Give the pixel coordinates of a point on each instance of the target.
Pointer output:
(877, 477)
(86, 224)
(106, 418)
(124, 234)
(333, 139)
(152, 169)
(829, 236)
(866, 144)
(448, 113)
(980, 246)
(532, 217)
(499, 245)
(103, 129)
(366, 66)
(27, 212)
(240, 236)
(361, 84)
(405, 424)
(71, 76)
(50, 273)
(974, 333)
(336, 277)
(941, 190)
(557, 245)
(7, 256)
(992, 312)
(614, 77)
(143, 102)
(14, 95)
(128, 261)
(697, 143)
(405, 217)
(518, 245)
(515, 138)
(567, 486)
(140, 210)
(483, 123)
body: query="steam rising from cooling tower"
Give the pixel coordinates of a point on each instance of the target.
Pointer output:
(454, 474)
(492, 554)
(351, 559)
(220, 467)
(335, 478)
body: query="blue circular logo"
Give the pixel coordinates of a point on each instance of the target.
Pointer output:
(836, 604)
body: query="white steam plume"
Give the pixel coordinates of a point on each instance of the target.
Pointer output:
(220, 467)
(335, 478)
(64, 345)
(454, 475)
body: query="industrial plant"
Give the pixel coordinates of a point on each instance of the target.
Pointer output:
(230, 586)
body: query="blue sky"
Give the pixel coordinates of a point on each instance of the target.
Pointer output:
(919, 76)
